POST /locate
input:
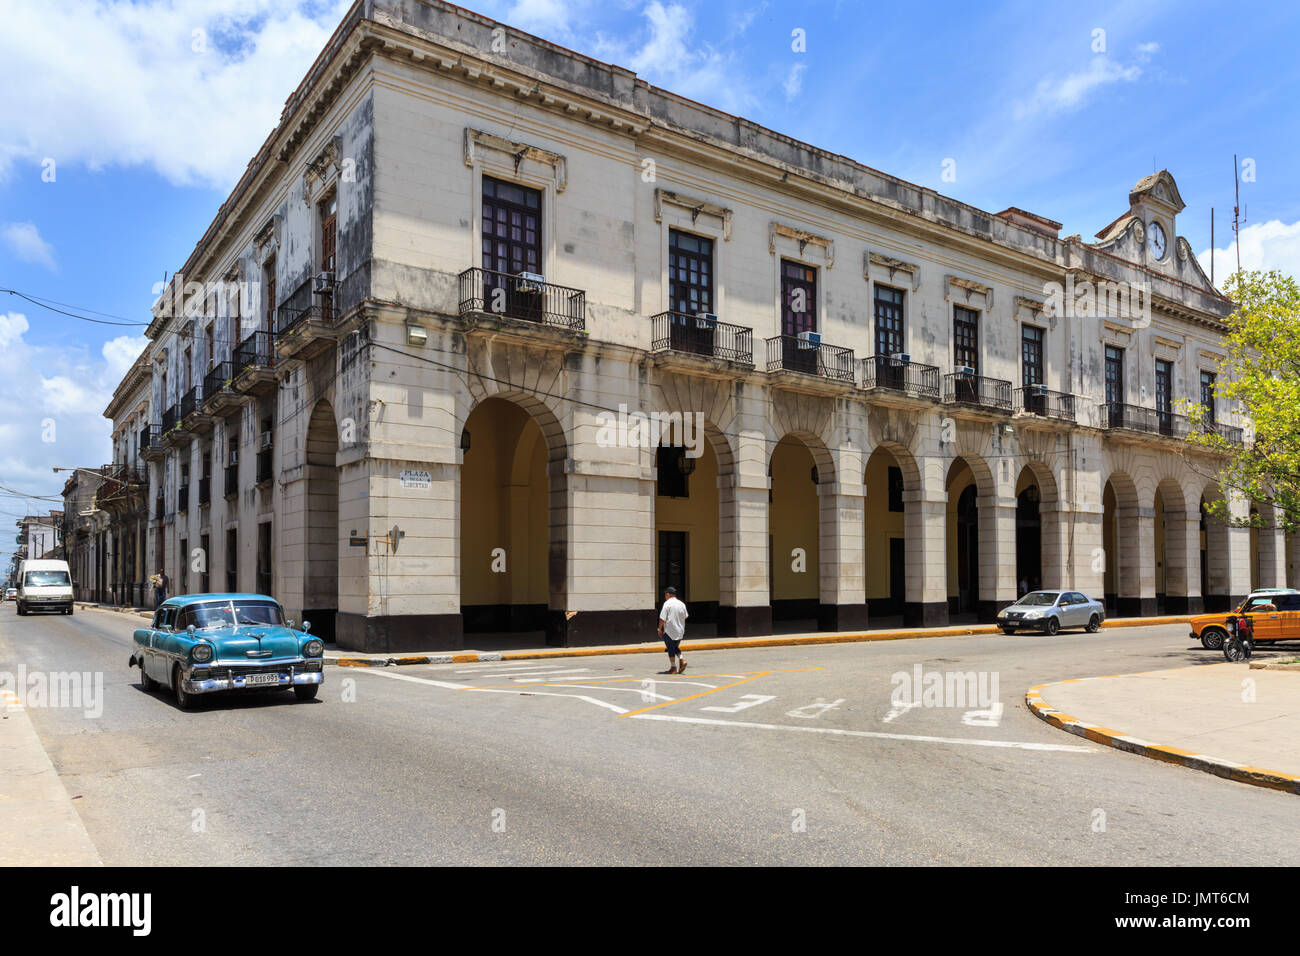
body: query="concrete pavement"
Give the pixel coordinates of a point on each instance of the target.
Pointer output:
(39, 825)
(1227, 719)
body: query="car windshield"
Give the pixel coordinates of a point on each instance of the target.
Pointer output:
(204, 616)
(1039, 599)
(45, 579)
(257, 612)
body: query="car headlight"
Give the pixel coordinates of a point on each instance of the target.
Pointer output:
(1034, 615)
(313, 648)
(201, 654)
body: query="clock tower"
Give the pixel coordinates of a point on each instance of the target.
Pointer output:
(1147, 234)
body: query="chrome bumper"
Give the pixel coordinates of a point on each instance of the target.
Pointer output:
(294, 678)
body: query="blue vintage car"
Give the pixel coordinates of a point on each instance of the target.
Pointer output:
(205, 643)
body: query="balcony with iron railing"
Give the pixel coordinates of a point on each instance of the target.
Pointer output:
(898, 373)
(526, 298)
(171, 418)
(1042, 401)
(702, 335)
(980, 391)
(191, 401)
(264, 466)
(1149, 421)
(253, 364)
(183, 497)
(304, 322)
(810, 357)
(217, 391)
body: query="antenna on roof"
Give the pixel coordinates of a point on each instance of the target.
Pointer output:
(1237, 221)
(1211, 245)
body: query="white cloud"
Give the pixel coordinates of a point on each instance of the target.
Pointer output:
(189, 89)
(70, 386)
(1062, 94)
(667, 55)
(794, 81)
(24, 240)
(1267, 245)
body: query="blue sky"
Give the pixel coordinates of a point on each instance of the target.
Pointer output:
(150, 110)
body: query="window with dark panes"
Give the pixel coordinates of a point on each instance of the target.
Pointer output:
(1164, 394)
(690, 291)
(512, 227)
(1031, 355)
(1114, 374)
(690, 273)
(889, 321)
(798, 314)
(328, 211)
(966, 338)
(1207, 395)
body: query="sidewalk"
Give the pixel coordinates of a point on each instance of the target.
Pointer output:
(39, 826)
(468, 656)
(1200, 717)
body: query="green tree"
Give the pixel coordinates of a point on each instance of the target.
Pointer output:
(1262, 372)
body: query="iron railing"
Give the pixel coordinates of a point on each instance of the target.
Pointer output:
(1232, 433)
(305, 303)
(232, 480)
(191, 401)
(171, 418)
(183, 497)
(217, 380)
(1148, 420)
(793, 354)
(1040, 400)
(256, 351)
(680, 332)
(517, 297)
(963, 389)
(149, 436)
(900, 375)
(205, 490)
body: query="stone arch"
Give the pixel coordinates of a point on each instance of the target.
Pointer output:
(540, 446)
(1216, 553)
(801, 519)
(320, 563)
(1176, 562)
(1122, 544)
(973, 530)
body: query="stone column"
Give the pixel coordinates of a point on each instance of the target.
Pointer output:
(997, 562)
(1183, 563)
(925, 517)
(843, 585)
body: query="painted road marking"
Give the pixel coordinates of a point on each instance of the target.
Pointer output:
(875, 735)
(815, 709)
(414, 680)
(745, 702)
(540, 693)
(984, 718)
(898, 710)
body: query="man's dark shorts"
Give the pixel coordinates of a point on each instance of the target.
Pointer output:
(673, 646)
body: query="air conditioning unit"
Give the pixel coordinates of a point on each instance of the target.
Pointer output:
(900, 358)
(964, 371)
(530, 282)
(234, 458)
(809, 340)
(322, 282)
(264, 441)
(1036, 389)
(705, 320)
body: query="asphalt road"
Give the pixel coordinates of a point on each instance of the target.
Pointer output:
(799, 755)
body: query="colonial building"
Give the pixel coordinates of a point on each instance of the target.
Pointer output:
(413, 379)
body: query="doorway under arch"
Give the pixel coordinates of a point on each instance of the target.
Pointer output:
(320, 596)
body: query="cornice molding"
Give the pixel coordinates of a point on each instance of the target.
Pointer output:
(696, 207)
(870, 259)
(477, 139)
(802, 237)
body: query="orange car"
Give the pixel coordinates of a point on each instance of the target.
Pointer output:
(1275, 614)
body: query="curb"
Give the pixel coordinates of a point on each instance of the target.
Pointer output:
(792, 640)
(1242, 773)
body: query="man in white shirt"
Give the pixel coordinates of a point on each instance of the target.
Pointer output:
(672, 628)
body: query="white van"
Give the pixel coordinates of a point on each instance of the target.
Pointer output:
(44, 586)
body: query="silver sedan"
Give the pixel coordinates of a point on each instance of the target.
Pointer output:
(1049, 611)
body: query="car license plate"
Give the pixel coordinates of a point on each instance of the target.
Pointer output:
(253, 680)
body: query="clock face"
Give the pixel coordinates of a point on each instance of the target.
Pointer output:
(1156, 240)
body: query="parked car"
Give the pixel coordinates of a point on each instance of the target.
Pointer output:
(1049, 611)
(209, 643)
(11, 594)
(1274, 612)
(44, 585)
